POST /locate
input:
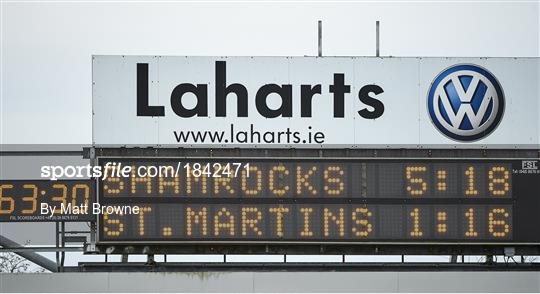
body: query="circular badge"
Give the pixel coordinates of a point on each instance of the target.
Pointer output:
(465, 102)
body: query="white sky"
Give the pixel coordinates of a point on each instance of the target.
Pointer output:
(47, 46)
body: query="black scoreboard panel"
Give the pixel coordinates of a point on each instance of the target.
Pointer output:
(316, 179)
(327, 200)
(23, 200)
(312, 222)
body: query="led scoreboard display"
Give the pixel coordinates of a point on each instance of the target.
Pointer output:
(26, 200)
(321, 200)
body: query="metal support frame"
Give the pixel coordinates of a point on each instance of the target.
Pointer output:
(90, 153)
(60, 245)
(57, 243)
(63, 243)
(18, 249)
(150, 259)
(299, 266)
(10, 245)
(41, 153)
(319, 38)
(377, 38)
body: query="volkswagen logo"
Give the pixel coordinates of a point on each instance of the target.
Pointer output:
(465, 102)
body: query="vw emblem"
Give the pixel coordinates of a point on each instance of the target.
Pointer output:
(465, 102)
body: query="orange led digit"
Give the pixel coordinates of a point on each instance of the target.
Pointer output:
(441, 222)
(32, 199)
(62, 198)
(416, 231)
(471, 230)
(4, 199)
(471, 182)
(441, 180)
(498, 226)
(498, 181)
(417, 186)
(166, 231)
(86, 196)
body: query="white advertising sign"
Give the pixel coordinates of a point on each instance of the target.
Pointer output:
(328, 102)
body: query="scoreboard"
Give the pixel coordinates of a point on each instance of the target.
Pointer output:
(23, 200)
(322, 200)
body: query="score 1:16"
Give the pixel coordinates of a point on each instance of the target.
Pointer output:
(498, 179)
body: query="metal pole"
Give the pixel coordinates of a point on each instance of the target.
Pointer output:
(63, 244)
(150, 260)
(320, 37)
(377, 53)
(42, 249)
(31, 256)
(93, 225)
(57, 246)
(41, 153)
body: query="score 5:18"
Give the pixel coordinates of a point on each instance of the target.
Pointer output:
(498, 180)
